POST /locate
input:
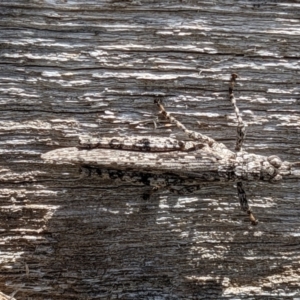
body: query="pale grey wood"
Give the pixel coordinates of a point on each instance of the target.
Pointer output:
(70, 68)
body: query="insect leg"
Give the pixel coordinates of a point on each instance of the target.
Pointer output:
(244, 203)
(241, 127)
(190, 133)
(218, 150)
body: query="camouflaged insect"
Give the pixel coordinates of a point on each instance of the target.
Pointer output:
(179, 166)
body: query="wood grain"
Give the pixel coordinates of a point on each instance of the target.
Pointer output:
(73, 68)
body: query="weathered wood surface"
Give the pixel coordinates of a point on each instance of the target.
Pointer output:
(94, 67)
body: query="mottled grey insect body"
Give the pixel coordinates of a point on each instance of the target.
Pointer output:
(180, 166)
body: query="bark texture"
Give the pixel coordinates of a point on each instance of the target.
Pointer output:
(72, 68)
